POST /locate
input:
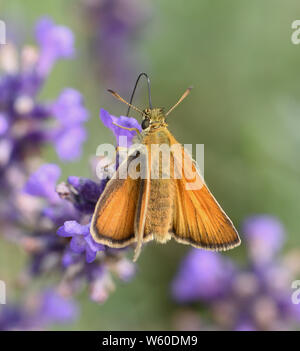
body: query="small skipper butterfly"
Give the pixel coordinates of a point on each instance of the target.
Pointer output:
(139, 210)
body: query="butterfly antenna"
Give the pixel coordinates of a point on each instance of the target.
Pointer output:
(185, 94)
(116, 95)
(134, 89)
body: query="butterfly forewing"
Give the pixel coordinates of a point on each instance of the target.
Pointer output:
(113, 219)
(198, 218)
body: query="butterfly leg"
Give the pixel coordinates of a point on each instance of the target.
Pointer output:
(142, 206)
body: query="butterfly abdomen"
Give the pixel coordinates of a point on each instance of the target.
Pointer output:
(159, 214)
(160, 210)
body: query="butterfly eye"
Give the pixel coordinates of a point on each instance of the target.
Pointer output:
(145, 123)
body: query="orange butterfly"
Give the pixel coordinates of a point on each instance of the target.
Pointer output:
(139, 210)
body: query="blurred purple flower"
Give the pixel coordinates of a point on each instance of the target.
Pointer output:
(114, 27)
(44, 247)
(254, 297)
(129, 122)
(55, 308)
(68, 108)
(38, 312)
(77, 258)
(3, 124)
(265, 237)
(43, 182)
(68, 142)
(70, 258)
(82, 240)
(70, 134)
(12, 317)
(35, 214)
(24, 121)
(202, 275)
(124, 269)
(83, 194)
(55, 42)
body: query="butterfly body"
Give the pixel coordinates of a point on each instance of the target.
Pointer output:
(160, 210)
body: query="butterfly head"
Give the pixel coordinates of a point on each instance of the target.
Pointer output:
(153, 118)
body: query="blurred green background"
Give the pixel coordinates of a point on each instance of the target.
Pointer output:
(244, 108)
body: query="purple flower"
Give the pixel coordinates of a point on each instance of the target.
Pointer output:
(56, 308)
(39, 311)
(114, 28)
(3, 124)
(88, 193)
(59, 212)
(70, 257)
(202, 275)
(125, 269)
(68, 108)
(43, 182)
(24, 121)
(124, 137)
(46, 257)
(70, 134)
(265, 237)
(55, 42)
(256, 296)
(33, 209)
(68, 142)
(82, 240)
(11, 317)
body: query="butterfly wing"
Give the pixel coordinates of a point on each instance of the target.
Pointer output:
(114, 215)
(198, 218)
